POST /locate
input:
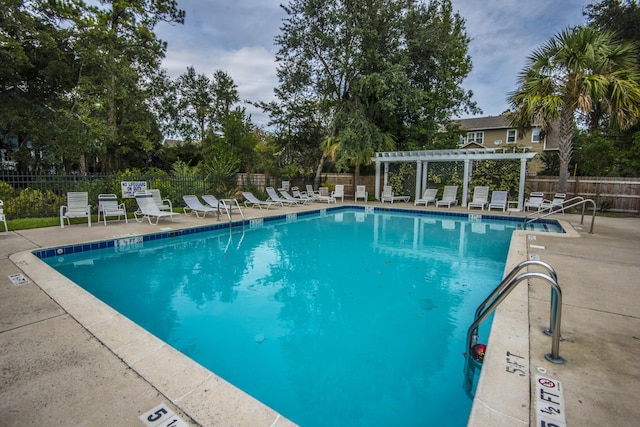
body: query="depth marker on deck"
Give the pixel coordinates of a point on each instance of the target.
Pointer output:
(18, 279)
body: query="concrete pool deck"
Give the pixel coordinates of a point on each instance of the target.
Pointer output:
(68, 360)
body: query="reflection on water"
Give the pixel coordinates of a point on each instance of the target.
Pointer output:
(348, 319)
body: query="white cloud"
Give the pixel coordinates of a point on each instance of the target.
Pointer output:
(237, 36)
(504, 33)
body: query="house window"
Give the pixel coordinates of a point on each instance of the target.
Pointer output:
(477, 137)
(535, 135)
(511, 136)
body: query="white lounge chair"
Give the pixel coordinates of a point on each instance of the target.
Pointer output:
(449, 196)
(300, 195)
(229, 205)
(252, 200)
(499, 200)
(338, 192)
(163, 204)
(298, 201)
(3, 218)
(389, 196)
(194, 205)
(535, 201)
(77, 207)
(429, 195)
(361, 193)
(273, 196)
(108, 206)
(321, 195)
(480, 197)
(147, 208)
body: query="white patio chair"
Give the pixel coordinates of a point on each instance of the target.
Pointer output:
(108, 206)
(338, 192)
(556, 204)
(362, 193)
(3, 218)
(535, 201)
(77, 207)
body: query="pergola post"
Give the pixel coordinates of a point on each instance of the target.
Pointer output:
(377, 193)
(523, 174)
(465, 183)
(418, 179)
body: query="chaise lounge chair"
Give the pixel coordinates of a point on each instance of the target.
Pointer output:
(252, 200)
(318, 196)
(77, 207)
(480, 197)
(273, 196)
(288, 197)
(108, 206)
(449, 196)
(299, 195)
(499, 200)
(429, 195)
(163, 204)
(389, 196)
(194, 205)
(147, 208)
(229, 205)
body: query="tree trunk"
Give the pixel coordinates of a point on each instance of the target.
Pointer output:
(316, 181)
(356, 178)
(565, 146)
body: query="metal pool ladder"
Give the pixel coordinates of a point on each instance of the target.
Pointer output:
(498, 295)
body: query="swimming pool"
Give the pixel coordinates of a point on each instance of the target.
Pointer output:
(365, 323)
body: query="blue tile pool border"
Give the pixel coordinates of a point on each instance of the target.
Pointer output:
(91, 246)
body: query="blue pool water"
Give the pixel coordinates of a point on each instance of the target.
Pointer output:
(339, 319)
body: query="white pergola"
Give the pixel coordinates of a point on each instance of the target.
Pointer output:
(424, 157)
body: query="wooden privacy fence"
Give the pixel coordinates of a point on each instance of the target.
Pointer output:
(612, 194)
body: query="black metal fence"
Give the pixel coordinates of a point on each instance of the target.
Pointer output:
(29, 196)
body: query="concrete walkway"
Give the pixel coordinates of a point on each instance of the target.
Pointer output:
(61, 367)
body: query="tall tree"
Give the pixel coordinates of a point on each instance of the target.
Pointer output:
(195, 104)
(374, 69)
(570, 74)
(37, 68)
(120, 54)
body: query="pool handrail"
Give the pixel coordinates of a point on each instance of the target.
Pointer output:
(577, 201)
(556, 316)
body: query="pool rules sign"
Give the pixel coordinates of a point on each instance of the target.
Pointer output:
(549, 403)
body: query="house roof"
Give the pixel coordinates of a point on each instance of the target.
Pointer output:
(480, 123)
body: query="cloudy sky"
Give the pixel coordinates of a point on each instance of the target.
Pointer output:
(237, 36)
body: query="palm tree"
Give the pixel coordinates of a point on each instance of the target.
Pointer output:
(581, 71)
